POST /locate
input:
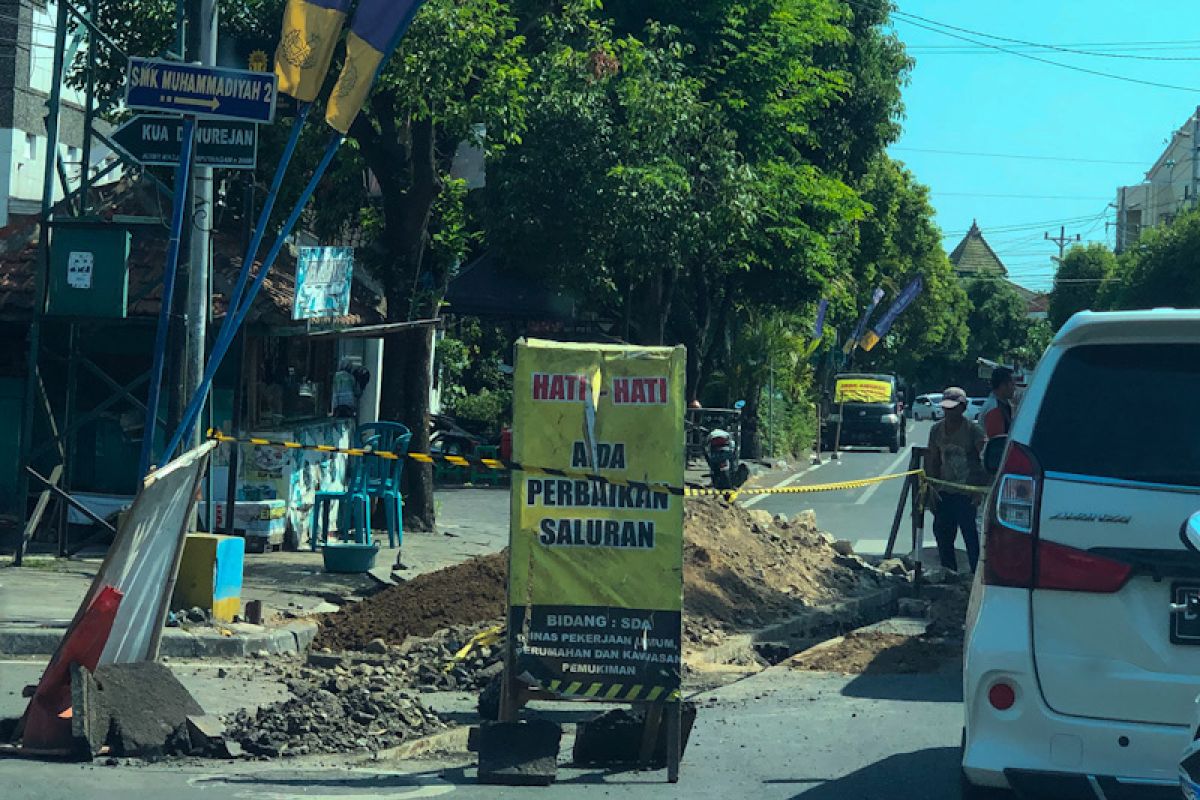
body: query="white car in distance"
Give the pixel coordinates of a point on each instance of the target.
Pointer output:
(926, 406)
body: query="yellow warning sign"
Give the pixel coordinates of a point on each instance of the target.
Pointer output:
(596, 574)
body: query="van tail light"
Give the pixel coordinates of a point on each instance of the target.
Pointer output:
(1016, 557)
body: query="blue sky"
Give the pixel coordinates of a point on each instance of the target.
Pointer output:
(970, 99)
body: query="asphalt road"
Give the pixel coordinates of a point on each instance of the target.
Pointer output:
(863, 516)
(780, 735)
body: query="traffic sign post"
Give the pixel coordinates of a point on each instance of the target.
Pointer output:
(202, 91)
(157, 140)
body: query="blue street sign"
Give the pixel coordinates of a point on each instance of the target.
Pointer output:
(209, 92)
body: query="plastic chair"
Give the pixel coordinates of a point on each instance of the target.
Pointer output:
(354, 509)
(382, 475)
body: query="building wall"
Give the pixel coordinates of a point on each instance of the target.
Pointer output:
(26, 75)
(1170, 188)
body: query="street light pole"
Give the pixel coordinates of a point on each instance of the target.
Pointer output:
(200, 246)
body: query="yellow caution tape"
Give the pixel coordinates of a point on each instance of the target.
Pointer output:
(807, 489)
(957, 487)
(513, 466)
(484, 638)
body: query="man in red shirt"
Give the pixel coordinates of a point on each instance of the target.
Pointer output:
(996, 416)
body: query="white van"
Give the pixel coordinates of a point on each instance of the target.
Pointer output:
(1078, 680)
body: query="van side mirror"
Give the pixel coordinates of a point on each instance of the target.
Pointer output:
(993, 453)
(1190, 533)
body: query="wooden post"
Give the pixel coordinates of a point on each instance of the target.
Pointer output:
(674, 740)
(918, 520)
(905, 490)
(35, 518)
(650, 728)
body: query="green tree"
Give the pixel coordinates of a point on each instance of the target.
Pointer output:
(998, 321)
(1078, 280)
(898, 241)
(611, 182)
(1162, 269)
(461, 69)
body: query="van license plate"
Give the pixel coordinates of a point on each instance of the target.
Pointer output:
(1185, 626)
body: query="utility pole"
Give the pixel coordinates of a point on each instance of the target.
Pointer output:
(202, 48)
(1062, 240)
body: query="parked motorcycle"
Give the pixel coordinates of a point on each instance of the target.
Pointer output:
(725, 468)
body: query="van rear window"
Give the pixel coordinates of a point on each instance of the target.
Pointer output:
(1125, 411)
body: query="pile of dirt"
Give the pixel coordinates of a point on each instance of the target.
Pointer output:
(874, 653)
(463, 594)
(742, 570)
(745, 569)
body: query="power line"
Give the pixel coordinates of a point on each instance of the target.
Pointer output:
(1112, 47)
(1016, 156)
(1072, 67)
(1020, 196)
(1025, 43)
(1017, 227)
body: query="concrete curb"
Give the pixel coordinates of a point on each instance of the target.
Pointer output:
(809, 628)
(294, 637)
(453, 740)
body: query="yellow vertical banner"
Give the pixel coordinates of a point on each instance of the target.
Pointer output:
(596, 570)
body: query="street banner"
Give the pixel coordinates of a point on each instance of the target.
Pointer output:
(311, 28)
(862, 390)
(852, 342)
(819, 325)
(885, 323)
(324, 276)
(374, 32)
(596, 569)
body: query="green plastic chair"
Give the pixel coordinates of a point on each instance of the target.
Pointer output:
(381, 477)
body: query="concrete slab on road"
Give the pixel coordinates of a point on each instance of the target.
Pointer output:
(781, 735)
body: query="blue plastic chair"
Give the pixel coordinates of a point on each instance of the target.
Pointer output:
(382, 475)
(354, 509)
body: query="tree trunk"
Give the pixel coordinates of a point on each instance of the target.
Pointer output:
(406, 384)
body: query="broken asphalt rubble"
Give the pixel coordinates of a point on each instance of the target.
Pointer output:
(361, 689)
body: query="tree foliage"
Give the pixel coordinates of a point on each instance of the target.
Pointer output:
(698, 173)
(1162, 269)
(897, 243)
(1078, 280)
(998, 320)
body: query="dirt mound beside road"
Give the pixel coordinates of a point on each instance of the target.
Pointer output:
(743, 569)
(464, 594)
(871, 653)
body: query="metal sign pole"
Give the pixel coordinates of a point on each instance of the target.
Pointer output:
(239, 315)
(164, 313)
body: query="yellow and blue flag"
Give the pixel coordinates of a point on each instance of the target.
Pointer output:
(311, 28)
(375, 31)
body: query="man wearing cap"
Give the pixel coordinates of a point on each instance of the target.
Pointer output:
(955, 445)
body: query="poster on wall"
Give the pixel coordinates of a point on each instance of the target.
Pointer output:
(596, 572)
(324, 276)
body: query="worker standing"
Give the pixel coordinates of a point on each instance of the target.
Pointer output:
(955, 446)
